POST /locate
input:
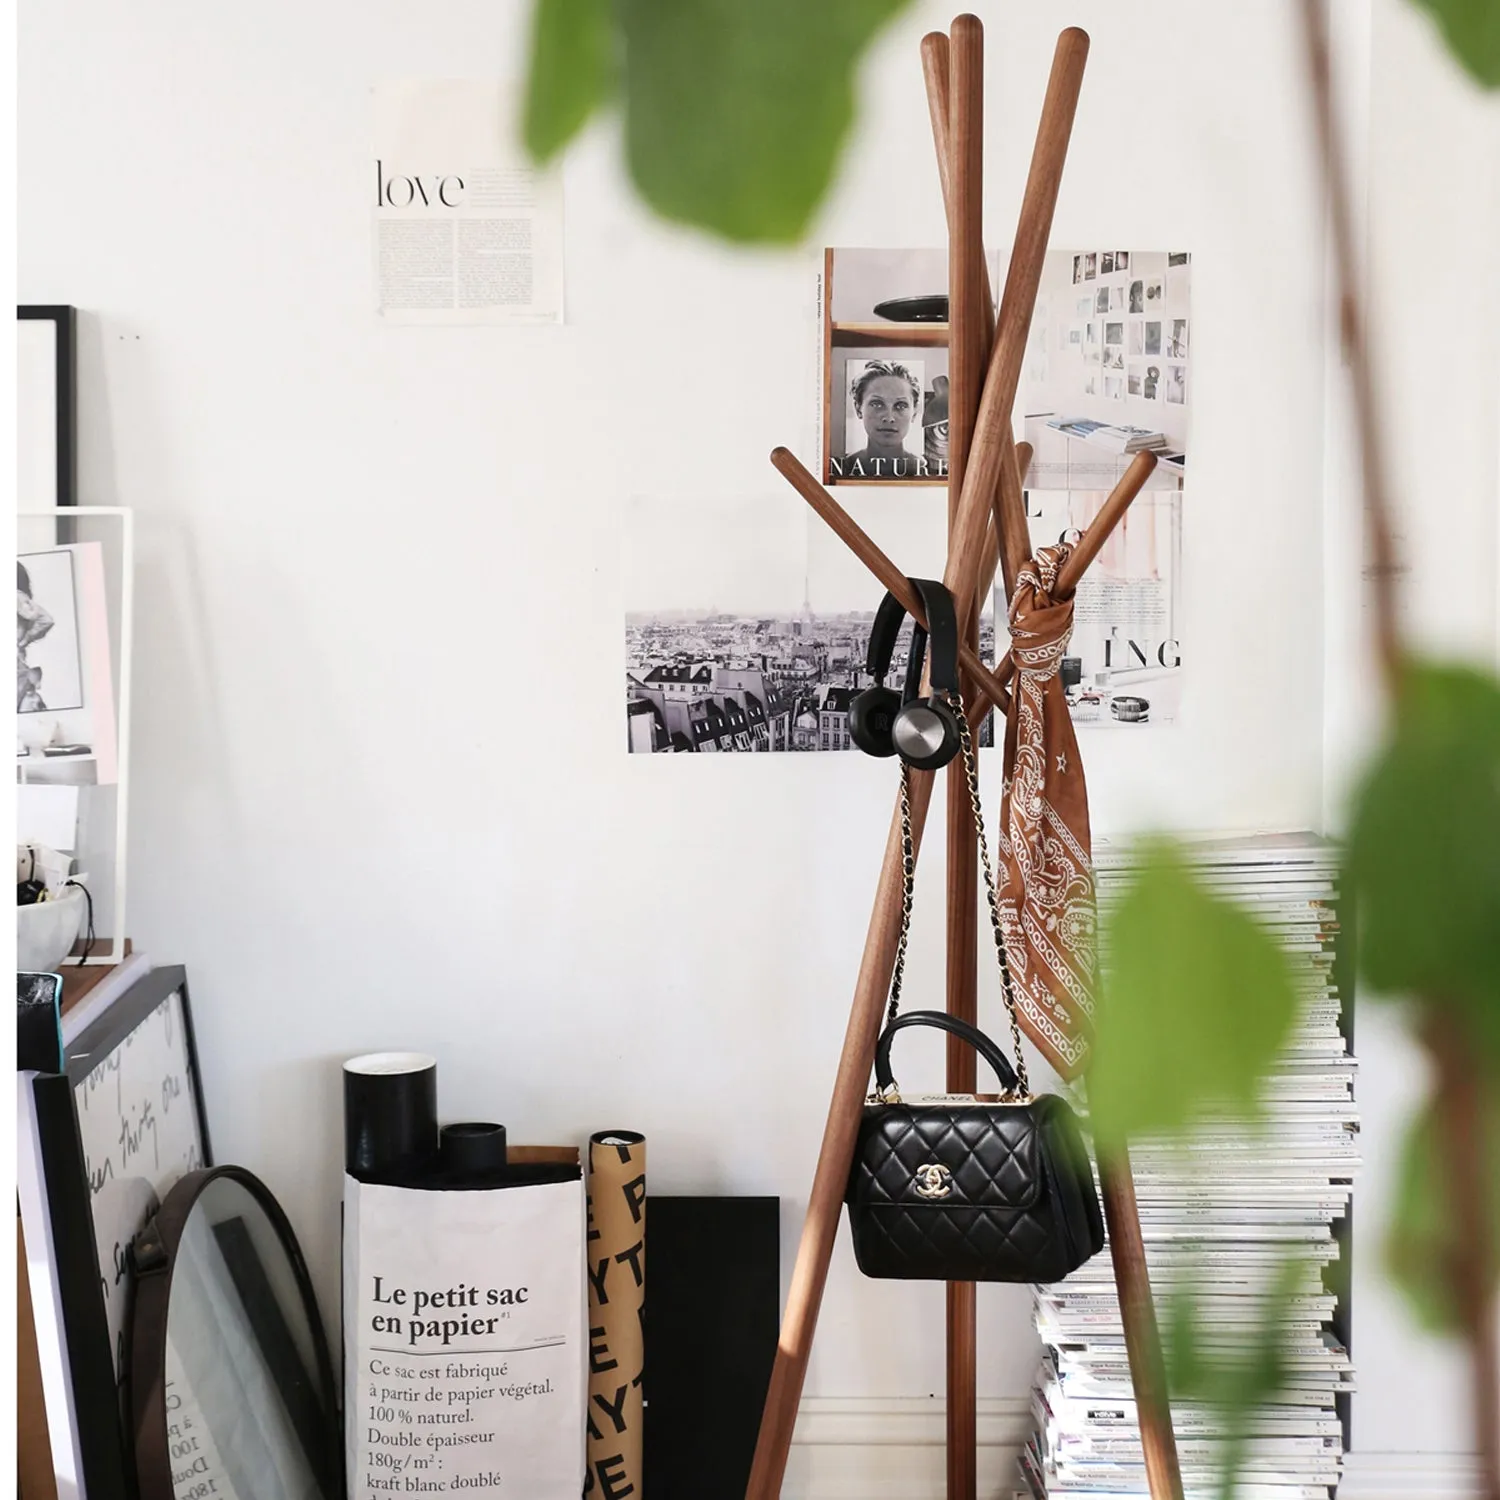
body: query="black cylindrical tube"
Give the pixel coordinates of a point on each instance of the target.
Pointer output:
(474, 1149)
(390, 1116)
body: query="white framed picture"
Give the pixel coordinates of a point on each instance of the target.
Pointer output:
(74, 616)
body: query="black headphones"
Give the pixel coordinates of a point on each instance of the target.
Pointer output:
(922, 731)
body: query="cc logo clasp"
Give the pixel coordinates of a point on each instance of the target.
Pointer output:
(934, 1181)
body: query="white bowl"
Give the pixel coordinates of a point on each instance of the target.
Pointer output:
(46, 932)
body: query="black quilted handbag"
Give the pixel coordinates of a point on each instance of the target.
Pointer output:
(970, 1191)
(957, 1189)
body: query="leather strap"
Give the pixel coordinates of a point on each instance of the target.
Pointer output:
(942, 633)
(997, 1060)
(942, 628)
(883, 634)
(916, 663)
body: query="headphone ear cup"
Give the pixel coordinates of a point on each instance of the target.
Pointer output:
(925, 734)
(871, 717)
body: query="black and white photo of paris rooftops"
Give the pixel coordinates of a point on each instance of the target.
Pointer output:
(750, 666)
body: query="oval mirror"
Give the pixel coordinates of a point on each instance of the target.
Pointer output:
(231, 1386)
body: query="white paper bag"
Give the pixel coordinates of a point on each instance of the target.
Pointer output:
(465, 1369)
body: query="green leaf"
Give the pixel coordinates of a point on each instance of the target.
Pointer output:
(1471, 29)
(1424, 849)
(736, 110)
(1423, 1231)
(1247, 1368)
(572, 71)
(1197, 1001)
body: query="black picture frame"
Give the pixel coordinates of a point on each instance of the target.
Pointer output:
(65, 376)
(97, 1365)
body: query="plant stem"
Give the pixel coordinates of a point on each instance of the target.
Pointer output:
(1380, 539)
(1460, 1098)
(1465, 1139)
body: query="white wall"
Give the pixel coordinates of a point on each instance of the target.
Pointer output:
(381, 794)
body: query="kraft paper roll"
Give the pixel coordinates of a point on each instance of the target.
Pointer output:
(617, 1299)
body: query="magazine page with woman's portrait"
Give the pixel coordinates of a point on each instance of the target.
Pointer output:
(885, 367)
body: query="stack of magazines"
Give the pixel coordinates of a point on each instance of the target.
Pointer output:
(1221, 1216)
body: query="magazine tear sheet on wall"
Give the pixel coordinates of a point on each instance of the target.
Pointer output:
(465, 230)
(747, 627)
(458, 1381)
(747, 622)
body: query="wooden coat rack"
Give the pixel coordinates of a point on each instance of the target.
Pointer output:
(987, 531)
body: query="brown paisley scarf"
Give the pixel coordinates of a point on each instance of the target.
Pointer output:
(1047, 899)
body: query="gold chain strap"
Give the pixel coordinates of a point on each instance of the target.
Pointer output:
(908, 880)
(1007, 988)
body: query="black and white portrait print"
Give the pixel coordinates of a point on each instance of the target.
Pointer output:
(49, 673)
(884, 417)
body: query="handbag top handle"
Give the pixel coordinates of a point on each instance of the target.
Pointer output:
(885, 1079)
(908, 871)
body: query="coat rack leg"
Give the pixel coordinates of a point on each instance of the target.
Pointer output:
(810, 1272)
(1148, 1373)
(968, 338)
(992, 430)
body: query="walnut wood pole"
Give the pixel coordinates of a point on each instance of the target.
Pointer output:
(825, 1201)
(1091, 543)
(1126, 1247)
(968, 336)
(1148, 1376)
(966, 339)
(936, 62)
(992, 434)
(990, 564)
(1102, 527)
(1010, 517)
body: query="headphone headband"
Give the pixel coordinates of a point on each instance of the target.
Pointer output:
(941, 633)
(883, 635)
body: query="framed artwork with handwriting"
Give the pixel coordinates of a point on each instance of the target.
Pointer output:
(114, 1132)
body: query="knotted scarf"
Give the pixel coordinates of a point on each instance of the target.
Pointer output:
(1047, 896)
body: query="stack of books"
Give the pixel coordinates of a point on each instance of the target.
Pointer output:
(1221, 1214)
(1118, 439)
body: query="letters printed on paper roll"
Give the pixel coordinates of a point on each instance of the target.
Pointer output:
(617, 1300)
